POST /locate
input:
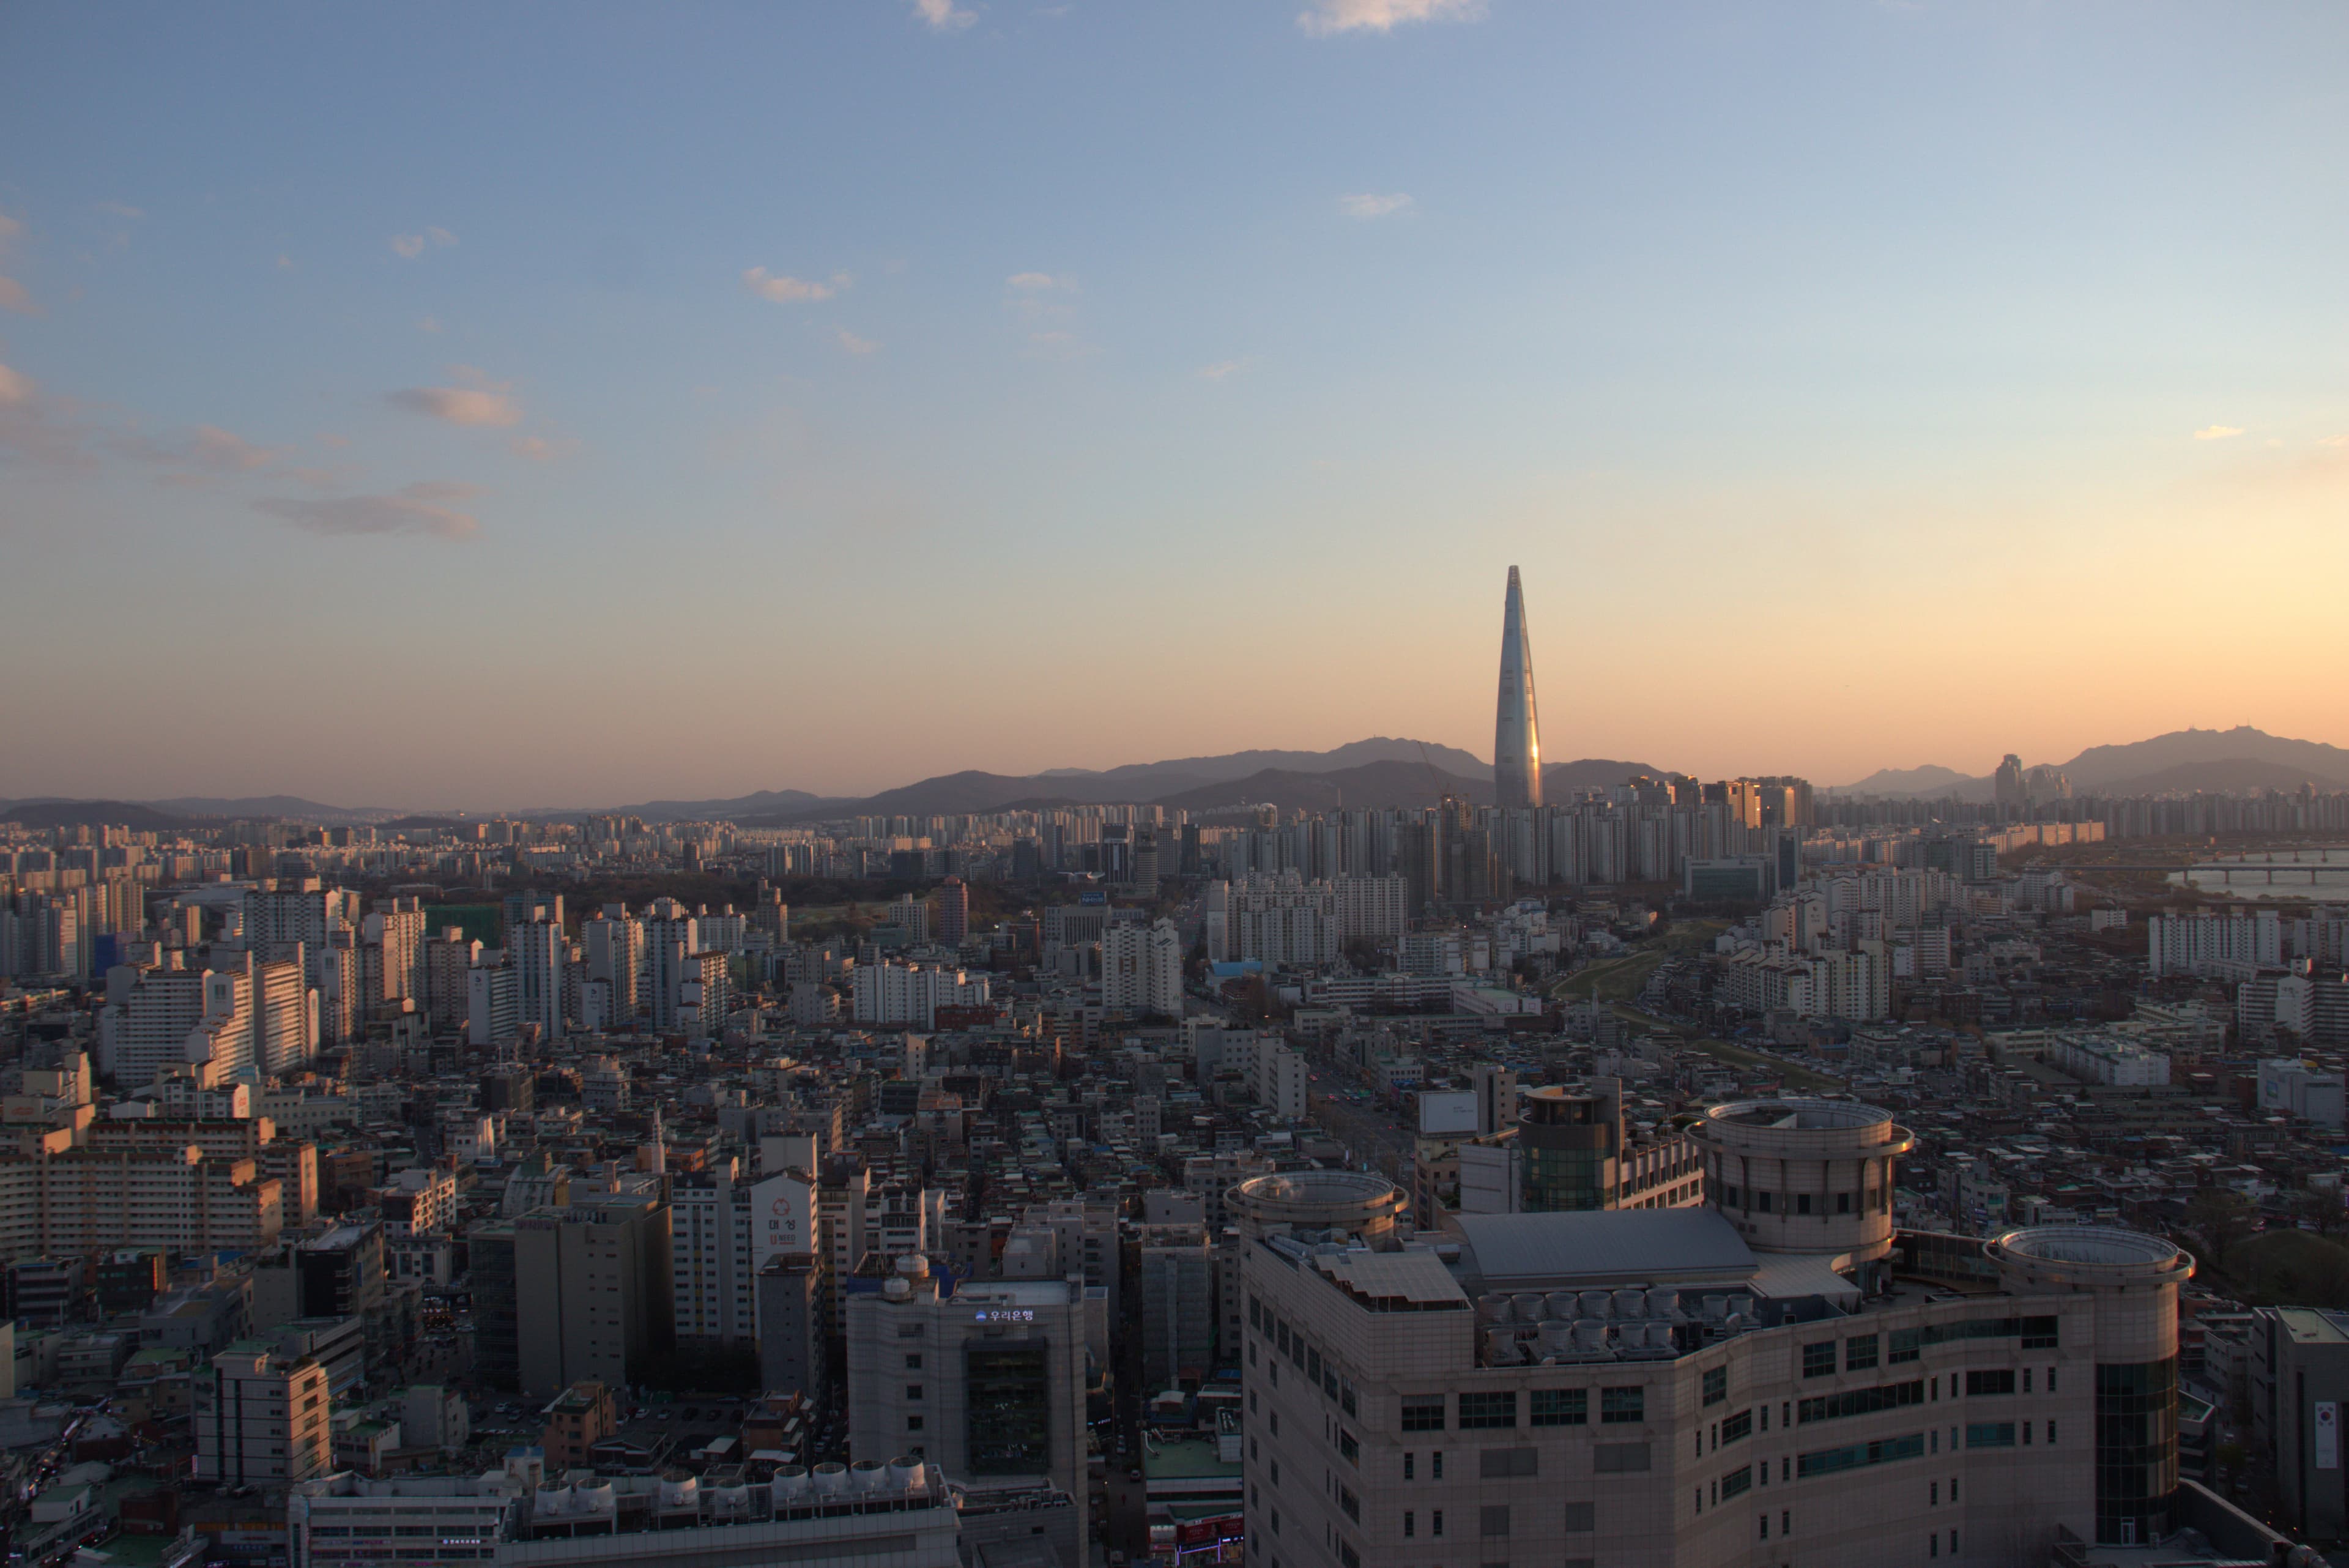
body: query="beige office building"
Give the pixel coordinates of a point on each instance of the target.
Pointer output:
(1658, 1388)
(261, 1419)
(592, 1291)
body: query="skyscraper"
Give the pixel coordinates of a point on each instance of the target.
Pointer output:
(1516, 731)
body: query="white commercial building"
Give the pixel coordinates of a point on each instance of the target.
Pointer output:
(911, 994)
(987, 1384)
(2212, 946)
(1142, 969)
(2100, 1059)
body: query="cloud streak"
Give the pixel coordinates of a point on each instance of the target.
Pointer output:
(415, 510)
(413, 245)
(458, 405)
(1040, 283)
(2218, 433)
(853, 344)
(943, 16)
(207, 447)
(543, 449)
(1372, 204)
(786, 290)
(1327, 17)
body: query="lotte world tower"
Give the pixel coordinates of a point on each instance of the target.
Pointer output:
(1517, 730)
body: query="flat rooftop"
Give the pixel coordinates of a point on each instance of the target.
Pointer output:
(1601, 1248)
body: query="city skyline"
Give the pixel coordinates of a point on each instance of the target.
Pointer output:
(2179, 762)
(532, 383)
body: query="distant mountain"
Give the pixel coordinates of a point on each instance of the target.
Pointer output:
(1184, 772)
(2184, 760)
(37, 814)
(1380, 784)
(271, 806)
(1560, 780)
(2103, 768)
(732, 809)
(2237, 774)
(1932, 779)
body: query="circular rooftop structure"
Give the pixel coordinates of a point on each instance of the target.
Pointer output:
(2088, 1257)
(1352, 1202)
(1807, 1114)
(1803, 1127)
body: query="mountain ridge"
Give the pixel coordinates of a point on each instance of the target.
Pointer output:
(2240, 758)
(2150, 767)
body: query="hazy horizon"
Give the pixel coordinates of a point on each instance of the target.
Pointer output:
(451, 409)
(1483, 755)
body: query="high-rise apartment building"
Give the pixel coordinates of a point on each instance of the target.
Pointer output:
(145, 1025)
(911, 994)
(536, 950)
(392, 939)
(723, 1230)
(615, 945)
(672, 936)
(953, 911)
(447, 956)
(1142, 969)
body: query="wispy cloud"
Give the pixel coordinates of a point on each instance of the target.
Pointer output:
(786, 290)
(414, 246)
(1325, 17)
(943, 16)
(422, 510)
(1040, 283)
(1223, 367)
(285, 262)
(1372, 204)
(13, 295)
(121, 209)
(213, 447)
(460, 405)
(543, 449)
(193, 457)
(29, 426)
(480, 401)
(855, 345)
(2218, 433)
(428, 324)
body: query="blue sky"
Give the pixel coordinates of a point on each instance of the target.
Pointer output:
(504, 405)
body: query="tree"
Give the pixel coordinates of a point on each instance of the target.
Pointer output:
(2222, 1219)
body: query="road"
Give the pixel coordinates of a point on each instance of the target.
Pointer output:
(1371, 1133)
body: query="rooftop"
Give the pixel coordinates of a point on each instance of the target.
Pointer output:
(1411, 1281)
(1646, 1246)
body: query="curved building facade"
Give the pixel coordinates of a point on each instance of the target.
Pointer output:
(1746, 1383)
(1352, 1203)
(1804, 1175)
(2133, 1279)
